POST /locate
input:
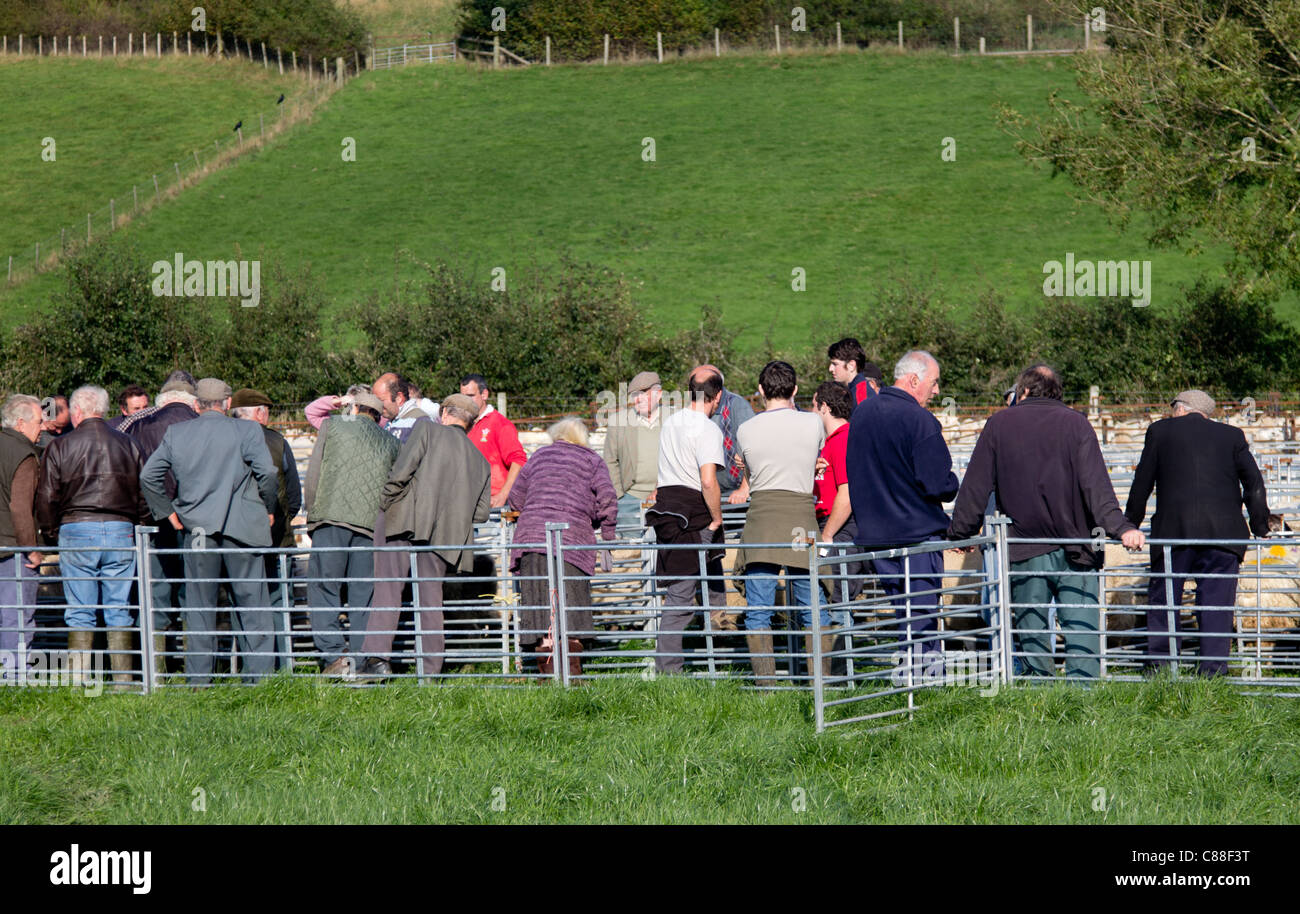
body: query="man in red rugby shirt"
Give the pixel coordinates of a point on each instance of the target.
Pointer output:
(496, 438)
(834, 404)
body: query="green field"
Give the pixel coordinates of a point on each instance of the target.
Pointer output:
(828, 163)
(634, 752)
(114, 123)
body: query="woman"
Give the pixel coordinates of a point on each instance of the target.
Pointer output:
(564, 482)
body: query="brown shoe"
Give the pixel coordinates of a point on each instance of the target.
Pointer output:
(343, 667)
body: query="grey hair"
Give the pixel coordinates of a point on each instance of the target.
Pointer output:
(12, 413)
(176, 396)
(359, 389)
(916, 362)
(570, 429)
(91, 400)
(245, 412)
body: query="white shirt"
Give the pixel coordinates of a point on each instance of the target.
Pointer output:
(688, 441)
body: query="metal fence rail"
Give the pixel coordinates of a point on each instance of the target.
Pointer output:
(895, 630)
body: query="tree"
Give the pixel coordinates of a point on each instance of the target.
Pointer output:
(1190, 118)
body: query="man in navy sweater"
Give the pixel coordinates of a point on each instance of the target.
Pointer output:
(900, 474)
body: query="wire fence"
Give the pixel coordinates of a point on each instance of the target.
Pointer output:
(320, 79)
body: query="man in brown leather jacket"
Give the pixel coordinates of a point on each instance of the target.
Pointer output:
(90, 492)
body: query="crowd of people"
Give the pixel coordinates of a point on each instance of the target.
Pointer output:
(866, 469)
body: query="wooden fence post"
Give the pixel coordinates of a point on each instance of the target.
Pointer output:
(981, 44)
(956, 33)
(1029, 32)
(338, 71)
(101, 45)
(777, 29)
(83, 45)
(496, 50)
(717, 43)
(356, 59)
(548, 50)
(114, 45)
(1087, 33)
(130, 43)
(659, 45)
(839, 38)
(189, 45)
(176, 44)
(40, 45)
(279, 60)
(20, 45)
(900, 34)
(607, 49)
(294, 54)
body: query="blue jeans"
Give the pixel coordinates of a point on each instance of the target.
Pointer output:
(760, 590)
(109, 556)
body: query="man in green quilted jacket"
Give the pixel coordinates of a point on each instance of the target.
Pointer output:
(345, 477)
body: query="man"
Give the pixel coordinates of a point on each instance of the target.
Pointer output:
(90, 492)
(496, 438)
(130, 401)
(688, 510)
(401, 411)
(255, 406)
(850, 367)
(175, 403)
(345, 479)
(900, 474)
(733, 412)
(1042, 463)
(833, 404)
(438, 488)
(177, 380)
(21, 421)
(225, 499)
(779, 447)
(1203, 473)
(54, 411)
(632, 447)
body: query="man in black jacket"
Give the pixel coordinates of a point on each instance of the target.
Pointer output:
(1041, 460)
(1203, 473)
(176, 403)
(89, 491)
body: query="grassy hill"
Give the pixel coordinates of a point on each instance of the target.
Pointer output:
(827, 163)
(114, 123)
(680, 752)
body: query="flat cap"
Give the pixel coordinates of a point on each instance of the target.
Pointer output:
(247, 396)
(1196, 400)
(180, 385)
(367, 399)
(643, 381)
(212, 389)
(461, 402)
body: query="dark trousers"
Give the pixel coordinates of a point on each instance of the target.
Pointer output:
(850, 577)
(167, 578)
(673, 621)
(245, 572)
(1215, 601)
(386, 605)
(329, 575)
(534, 623)
(925, 573)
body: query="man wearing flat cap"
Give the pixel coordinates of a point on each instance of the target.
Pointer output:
(255, 406)
(345, 478)
(1202, 472)
(225, 499)
(632, 446)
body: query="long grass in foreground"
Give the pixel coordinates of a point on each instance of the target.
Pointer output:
(672, 752)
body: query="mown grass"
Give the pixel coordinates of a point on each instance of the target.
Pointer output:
(824, 162)
(634, 752)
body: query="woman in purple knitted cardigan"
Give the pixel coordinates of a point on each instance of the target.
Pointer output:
(564, 482)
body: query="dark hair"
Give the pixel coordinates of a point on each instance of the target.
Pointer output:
(835, 396)
(777, 380)
(368, 411)
(848, 350)
(477, 379)
(131, 390)
(704, 387)
(872, 370)
(1040, 380)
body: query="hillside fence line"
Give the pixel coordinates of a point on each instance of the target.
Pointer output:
(320, 78)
